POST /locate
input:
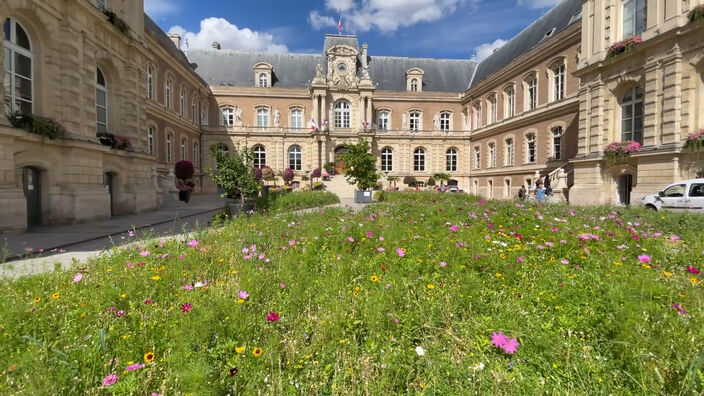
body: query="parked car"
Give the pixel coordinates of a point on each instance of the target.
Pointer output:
(454, 189)
(687, 195)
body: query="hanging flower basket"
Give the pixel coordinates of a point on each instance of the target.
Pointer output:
(619, 152)
(695, 141)
(624, 46)
(697, 14)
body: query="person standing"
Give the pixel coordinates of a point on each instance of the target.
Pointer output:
(522, 193)
(540, 192)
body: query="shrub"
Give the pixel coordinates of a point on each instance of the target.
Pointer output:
(184, 170)
(283, 202)
(235, 172)
(316, 173)
(430, 182)
(37, 125)
(268, 174)
(287, 175)
(618, 152)
(410, 181)
(329, 167)
(257, 174)
(360, 165)
(696, 14)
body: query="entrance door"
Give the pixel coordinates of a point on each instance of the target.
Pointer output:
(625, 186)
(32, 191)
(339, 163)
(108, 181)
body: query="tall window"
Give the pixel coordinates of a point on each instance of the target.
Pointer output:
(383, 121)
(101, 102)
(263, 80)
(445, 121)
(183, 149)
(492, 155)
(532, 94)
(559, 82)
(387, 160)
(182, 102)
(530, 147)
(194, 109)
(632, 115)
(18, 69)
(414, 85)
(150, 140)
(342, 114)
(196, 154)
(557, 143)
(451, 160)
(167, 93)
(634, 17)
(477, 112)
(169, 148)
(263, 117)
(228, 116)
(150, 82)
(259, 156)
(492, 109)
(103, 4)
(295, 158)
(510, 152)
(477, 157)
(510, 109)
(419, 160)
(296, 118)
(414, 121)
(204, 114)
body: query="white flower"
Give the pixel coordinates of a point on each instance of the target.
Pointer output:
(420, 351)
(478, 367)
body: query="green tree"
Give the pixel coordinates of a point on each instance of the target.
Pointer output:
(442, 177)
(234, 172)
(360, 165)
(430, 182)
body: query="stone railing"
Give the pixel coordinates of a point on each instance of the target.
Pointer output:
(290, 132)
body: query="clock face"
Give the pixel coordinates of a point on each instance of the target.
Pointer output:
(342, 69)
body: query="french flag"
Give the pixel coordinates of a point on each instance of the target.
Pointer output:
(313, 125)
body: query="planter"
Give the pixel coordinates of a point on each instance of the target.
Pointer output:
(362, 196)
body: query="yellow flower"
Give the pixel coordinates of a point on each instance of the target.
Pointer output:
(668, 274)
(123, 295)
(37, 299)
(149, 357)
(498, 275)
(239, 349)
(156, 277)
(234, 272)
(693, 280)
(240, 300)
(54, 295)
(374, 278)
(431, 286)
(618, 263)
(646, 266)
(257, 352)
(552, 259)
(503, 256)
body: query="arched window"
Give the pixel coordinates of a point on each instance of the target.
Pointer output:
(451, 160)
(196, 155)
(383, 121)
(510, 103)
(297, 118)
(259, 156)
(228, 116)
(531, 93)
(167, 93)
(414, 121)
(194, 110)
(530, 148)
(477, 115)
(510, 152)
(558, 82)
(632, 115)
(477, 157)
(263, 80)
(295, 158)
(492, 155)
(182, 102)
(342, 114)
(419, 160)
(387, 160)
(150, 82)
(557, 143)
(262, 117)
(150, 140)
(414, 85)
(101, 102)
(169, 148)
(445, 121)
(19, 69)
(183, 149)
(204, 114)
(492, 116)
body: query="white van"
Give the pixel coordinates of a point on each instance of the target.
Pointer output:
(687, 195)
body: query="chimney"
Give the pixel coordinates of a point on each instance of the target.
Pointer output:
(365, 47)
(216, 45)
(176, 39)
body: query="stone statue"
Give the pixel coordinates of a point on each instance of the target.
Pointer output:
(436, 121)
(277, 118)
(331, 67)
(404, 121)
(238, 116)
(365, 71)
(319, 70)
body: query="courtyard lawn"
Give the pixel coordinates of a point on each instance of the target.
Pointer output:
(440, 294)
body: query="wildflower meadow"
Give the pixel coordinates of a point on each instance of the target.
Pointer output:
(420, 293)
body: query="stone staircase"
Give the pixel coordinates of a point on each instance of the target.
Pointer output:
(338, 185)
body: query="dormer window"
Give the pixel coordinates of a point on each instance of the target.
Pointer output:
(414, 80)
(103, 4)
(263, 75)
(549, 34)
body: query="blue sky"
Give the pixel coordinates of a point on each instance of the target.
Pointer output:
(421, 28)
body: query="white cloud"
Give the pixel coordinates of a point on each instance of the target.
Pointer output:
(318, 21)
(158, 8)
(229, 36)
(538, 3)
(388, 15)
(483, 51)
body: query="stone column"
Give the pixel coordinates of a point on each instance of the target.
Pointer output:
(323, 108)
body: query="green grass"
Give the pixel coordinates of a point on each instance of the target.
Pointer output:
(278, 202)
(352, 316)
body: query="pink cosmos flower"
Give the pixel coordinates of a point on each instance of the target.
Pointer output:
(134, 367)
(510, 346)
(243, 294)
(370, 234)
(272, 317)
(148, 302)
(186, 307)
(283, 285)
(443, 264)
(109, 380)
(144, 253)
(400, 252)
(187, 287)
(291, 242)
(193, 243)
(380, 249)
(381, 239)
(498, 339)
(693, 270)
(644, 258)
(520, 259)
(454, 228)
(77, 278)
(350, 239)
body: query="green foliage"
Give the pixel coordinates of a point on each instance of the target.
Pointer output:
(268, 174)
(442, 177)
(37, 125)
(285, 202)
(234, 172)
(410, 181)
(352, 315)
(430, 182)
(360, 165)
(697, 14)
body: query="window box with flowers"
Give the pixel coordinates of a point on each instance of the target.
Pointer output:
(697, 14)
(624, 46)
(695, 141)
(618, 152)
(37, 125)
